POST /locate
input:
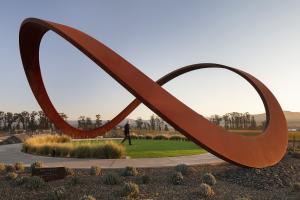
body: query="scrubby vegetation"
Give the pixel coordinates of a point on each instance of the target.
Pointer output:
(111, 179)
(11, 176)
(182, 168)
(206, 190)
(2, 168)
(61, 146)
(10, 168)
(69, 171)
(33, 182)
(130, 190)
(177, 178)
(209, 179)
(233, 183)
(36, 164)
(87, 197)
(130, 171)
(56, 193)
(95, 171)
(19, 166)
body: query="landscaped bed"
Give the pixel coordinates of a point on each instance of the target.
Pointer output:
(63, 146)
(218, 182)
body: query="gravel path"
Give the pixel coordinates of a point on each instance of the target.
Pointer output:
(10, 154)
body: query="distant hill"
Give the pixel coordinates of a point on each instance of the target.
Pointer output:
(293, 118)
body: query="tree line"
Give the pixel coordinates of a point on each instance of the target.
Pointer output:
(37, 120)
(235, 120)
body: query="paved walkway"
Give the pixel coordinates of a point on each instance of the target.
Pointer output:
(10, 154)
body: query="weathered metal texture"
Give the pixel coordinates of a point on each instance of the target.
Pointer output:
(258, 151)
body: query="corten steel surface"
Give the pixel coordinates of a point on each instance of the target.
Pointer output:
(257, 151)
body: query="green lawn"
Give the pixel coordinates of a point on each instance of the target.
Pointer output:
(157, 148)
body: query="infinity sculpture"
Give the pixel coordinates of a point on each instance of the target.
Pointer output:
(258, 151)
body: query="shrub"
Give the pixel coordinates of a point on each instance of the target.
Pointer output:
(183, 168)
(9, 168)
(19, 180)
(130, 171)
(130, 190)
(34, 182)
(87, 197)
(206, 190)
(36, 164)
(2, 168)
(55, 145)
(113, 150)
(296, 187)
(177, 137)
(161, 137)
(82, 151)
(145, 179)
(95, 171)
(148, 137)
(209, 179)
(56, 193)
(69, 171)
(111, 179)
(177, 178)
(19, 166)
(11, 176)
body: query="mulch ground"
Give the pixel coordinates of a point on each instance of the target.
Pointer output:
(232, 183)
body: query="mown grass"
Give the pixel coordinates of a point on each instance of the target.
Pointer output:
(142, 148)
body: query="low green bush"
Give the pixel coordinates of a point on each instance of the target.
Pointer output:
(11, 176)
(177, 137)
(209, 179)
(161, 137)
(19, 166)
(111, 179)
(130, 190)
(148, 137)
(87, 197)
(34, 182)
(10, 168)
(56, 193)
(95, 171)
(182, 168)
(206, 191)
(129, 171)
(177, 178)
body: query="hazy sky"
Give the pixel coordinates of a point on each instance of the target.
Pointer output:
(260, 37)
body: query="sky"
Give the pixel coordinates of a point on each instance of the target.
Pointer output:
(157, 37)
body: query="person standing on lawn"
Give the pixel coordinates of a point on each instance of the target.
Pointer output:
(127, 133)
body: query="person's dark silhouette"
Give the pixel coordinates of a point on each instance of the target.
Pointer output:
(127, 133)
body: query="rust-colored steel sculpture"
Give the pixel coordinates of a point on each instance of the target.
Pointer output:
(257, 151)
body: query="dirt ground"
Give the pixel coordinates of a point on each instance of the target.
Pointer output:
(232, 183)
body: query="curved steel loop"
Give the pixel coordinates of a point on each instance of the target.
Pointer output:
(257, 151)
